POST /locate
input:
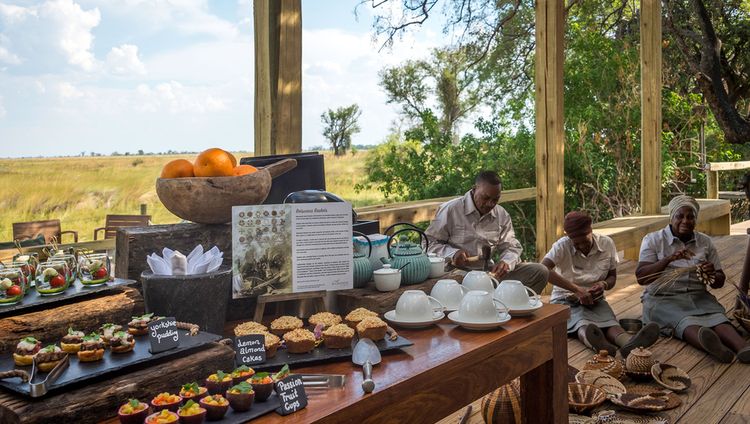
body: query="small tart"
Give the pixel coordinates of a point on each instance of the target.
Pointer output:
(326, 319)
(299, 341)
(338, 336)
(357, 315)
(250, 327)
(372, 328)
(284, 324)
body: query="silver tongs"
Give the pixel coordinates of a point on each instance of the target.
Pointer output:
(41, 388)
(323, 381)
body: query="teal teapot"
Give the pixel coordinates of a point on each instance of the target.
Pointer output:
(405, 252)
(362, 267)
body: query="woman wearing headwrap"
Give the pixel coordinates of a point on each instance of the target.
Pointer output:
(685, 306)
(582, 265)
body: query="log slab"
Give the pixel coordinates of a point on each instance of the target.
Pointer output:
(50, 325)
(93, 403)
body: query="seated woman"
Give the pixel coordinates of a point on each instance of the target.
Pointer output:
(685, 305)
(582, 265)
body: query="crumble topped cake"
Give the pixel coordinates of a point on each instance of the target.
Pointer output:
(372, 328)
(358, 315)
(284, 324)
(338, 336)
(250, 327)
(326, 319)
(299, 341)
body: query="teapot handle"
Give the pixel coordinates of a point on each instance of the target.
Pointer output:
(409, 224)
(369, 243)
(422, 236)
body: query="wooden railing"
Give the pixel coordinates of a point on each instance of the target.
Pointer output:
(712, 175)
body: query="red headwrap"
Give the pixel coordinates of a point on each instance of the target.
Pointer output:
(577, 224)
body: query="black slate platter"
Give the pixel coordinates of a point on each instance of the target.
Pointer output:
(258, 409)
(81, 372)
(34, 301)
(322, 354)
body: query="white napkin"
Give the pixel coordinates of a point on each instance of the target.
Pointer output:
(175, 263)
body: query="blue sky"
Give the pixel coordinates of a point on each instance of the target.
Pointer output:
(123, 75)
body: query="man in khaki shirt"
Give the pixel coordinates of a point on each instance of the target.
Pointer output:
(462, 226)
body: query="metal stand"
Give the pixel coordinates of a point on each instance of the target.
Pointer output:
(317, 297)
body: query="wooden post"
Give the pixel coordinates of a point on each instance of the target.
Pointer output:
(550, 137)
(712, 184)
(651, 107)
(278, 76)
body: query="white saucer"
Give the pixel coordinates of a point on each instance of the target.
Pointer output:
(390, 316)
(470, 325)
(522, 312)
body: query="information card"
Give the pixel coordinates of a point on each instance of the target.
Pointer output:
(250, 349)
(163, 335)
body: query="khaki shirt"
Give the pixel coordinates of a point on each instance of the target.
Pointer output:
(459, 226)
(582, 270)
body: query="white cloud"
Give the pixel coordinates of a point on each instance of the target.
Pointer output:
(68, 91)
(73, 26)
(175, 98)
(8, 57)
(3, 112)
(123, 60)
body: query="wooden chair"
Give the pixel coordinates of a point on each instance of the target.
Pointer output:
(49, 228)
(113, 222)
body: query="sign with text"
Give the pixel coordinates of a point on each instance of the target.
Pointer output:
(163, 335)
(292, 395)
(250, 349)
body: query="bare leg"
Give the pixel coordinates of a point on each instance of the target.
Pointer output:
(613, 332)
(706, 339)
(690, 335)
(730, 337)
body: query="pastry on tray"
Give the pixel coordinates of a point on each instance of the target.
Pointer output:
(25, 351)
(192, 391)
(133, 412)
(250, 327)
(338, 337)
(48, 357)
(299, 341)
(219, 382)
(162, 417)
(191, 413)
(324, 319)
(138, 326)
(242, 373)
(71, 342)
(108, 330)
(92, 348)
(372, 328)
(357, 315)
(284, 324)
(241, 396)
(121, 342)
(216, 407)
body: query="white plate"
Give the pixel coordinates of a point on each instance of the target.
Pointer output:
(469, 325)
(390, 316)
(522, 312)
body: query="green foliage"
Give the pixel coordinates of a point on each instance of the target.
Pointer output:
(339, 126)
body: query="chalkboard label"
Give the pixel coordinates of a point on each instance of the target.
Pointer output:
(291, 394)
(163, 335)
(250, 349)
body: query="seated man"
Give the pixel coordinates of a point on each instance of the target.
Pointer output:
(582, 265)
(462, 226)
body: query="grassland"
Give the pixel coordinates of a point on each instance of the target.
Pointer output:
(80, 191)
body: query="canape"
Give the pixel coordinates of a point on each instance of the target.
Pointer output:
(192, 391)
(13, 286)
(324, 319)
(218, 383)
(372, 328)
(92, 348)
(133, 412)
(138, 326)
(53, 278)
(299, 341)
(48, 357)
(338, 337)
(166, 401)
(216, 407)
(121, 342)
(357, 315)
(241, 396)
(284, 324)
(191, 413)
(262, 384)
(71, 342)
(25, 351)
(108, 330)
(283, 373)
(27, 264)
(93, 270)
(164, 416)
(241, 374)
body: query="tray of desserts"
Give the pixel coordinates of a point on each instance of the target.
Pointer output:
(326, 337)
(110, 350)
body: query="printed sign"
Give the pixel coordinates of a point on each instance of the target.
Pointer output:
(250, 349)
(291, 394)
(163, 335)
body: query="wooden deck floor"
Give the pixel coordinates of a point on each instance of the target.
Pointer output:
(720, 392)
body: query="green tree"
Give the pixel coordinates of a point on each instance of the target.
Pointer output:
(339, 126)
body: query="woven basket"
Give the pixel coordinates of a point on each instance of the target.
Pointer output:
(742, 319)
(639, 361)
(584, 397)
(606, 364)
(503, 406)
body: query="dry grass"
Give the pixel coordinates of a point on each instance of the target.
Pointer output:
(80, 191)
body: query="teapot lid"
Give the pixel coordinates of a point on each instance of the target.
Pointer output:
(406, 248)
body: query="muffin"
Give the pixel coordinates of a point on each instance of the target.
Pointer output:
(358, 315)
(372, 328)
(299, 341)
(272, 342)
(324, 319)
(338, 336)
(285, 324)
(250, 327)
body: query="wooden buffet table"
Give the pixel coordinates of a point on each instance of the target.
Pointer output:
(449, 367)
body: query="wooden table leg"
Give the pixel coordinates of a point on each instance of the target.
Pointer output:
(544, 390)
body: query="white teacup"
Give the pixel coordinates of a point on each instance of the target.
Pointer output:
(514, 294)
(437, 266)
(416, 306)
(449, 293)
(478, 306)
(479, 280)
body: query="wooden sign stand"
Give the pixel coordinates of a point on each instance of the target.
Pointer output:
(318, 298)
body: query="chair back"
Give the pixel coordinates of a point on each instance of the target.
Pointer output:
(113, 222)
(29, 230)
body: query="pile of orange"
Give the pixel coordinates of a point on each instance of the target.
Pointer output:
(213, 162)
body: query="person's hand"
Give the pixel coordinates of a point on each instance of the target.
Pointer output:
(708, 267)
(500, 269)
(584, 296)
(681, 254)
(597, 289)
(460, 258)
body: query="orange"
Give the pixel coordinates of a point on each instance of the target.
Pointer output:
(214, 163)
(244, 170)
(178, 168)
(234, 159)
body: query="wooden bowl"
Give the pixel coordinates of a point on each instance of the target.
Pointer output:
(209, 200)
(584, 397)
(671, 377)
